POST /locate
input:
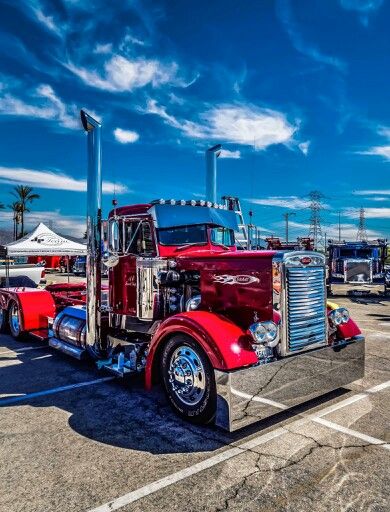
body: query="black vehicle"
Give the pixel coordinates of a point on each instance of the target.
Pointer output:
(357, 266)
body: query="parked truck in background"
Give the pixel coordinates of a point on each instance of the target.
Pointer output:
(357, 267)
(232, 336)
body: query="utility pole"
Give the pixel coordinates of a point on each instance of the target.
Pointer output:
(339, 226)
(250, 226)
(286, 217)
(362, 232)
(315, 217)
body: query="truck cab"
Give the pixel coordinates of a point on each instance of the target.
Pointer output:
(357, 267)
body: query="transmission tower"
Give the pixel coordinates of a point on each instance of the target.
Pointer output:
(315, 218)
(361, 233)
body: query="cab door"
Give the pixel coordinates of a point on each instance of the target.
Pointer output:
(136, 240)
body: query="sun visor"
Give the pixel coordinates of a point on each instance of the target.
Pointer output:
(168, 216)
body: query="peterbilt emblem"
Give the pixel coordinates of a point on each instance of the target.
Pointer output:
(242, 279)
(305, 260)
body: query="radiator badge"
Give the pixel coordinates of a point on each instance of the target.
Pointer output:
(242, 279)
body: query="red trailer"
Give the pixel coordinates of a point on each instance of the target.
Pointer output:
(232, 336)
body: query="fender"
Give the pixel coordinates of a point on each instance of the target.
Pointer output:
(225, 343)
(348, 330)
(35, 306)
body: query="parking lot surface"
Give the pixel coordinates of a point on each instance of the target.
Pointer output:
(75, 439)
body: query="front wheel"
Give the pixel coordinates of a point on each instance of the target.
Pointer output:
(14, 321)
(188, 379)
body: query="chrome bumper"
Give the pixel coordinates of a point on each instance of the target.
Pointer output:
(351, 288)
(251, 394)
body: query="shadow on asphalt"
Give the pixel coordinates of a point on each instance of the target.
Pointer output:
(121, 413)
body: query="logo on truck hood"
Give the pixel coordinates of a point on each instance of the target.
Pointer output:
(242, 279)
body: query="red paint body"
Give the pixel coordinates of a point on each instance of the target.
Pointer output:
(225, 343)
(35, 306)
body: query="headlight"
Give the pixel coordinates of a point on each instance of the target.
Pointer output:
(193, 303)
(339, 316)
(265, 332)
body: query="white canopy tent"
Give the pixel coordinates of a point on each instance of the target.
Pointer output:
(42, 241)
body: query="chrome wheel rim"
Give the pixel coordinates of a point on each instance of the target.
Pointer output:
(14, 319)
(187, 377)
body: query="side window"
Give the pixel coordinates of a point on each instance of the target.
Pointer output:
(138, 238)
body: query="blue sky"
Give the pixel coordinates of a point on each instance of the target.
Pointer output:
(297, 92)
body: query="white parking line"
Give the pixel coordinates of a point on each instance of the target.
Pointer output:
(153, 487)
(353, 433)
(379, 387)
(157, 485)
(53, 391)
(24, 349)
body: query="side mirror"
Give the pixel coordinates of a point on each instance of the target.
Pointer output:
(110, 260)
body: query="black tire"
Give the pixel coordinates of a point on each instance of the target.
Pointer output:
(184, 348)
(14, 320)
(3, 320)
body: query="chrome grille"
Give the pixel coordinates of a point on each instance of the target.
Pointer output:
(306, 307)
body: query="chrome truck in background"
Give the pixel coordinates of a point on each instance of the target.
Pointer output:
(357, 267)
(233, 336)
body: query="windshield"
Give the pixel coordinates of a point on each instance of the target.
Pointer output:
(222, 236)
(183, 235)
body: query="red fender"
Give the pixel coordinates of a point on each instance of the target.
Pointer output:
(225, 343)
(35, 306)
(348, 330)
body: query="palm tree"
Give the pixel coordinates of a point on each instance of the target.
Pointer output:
(24, 196)
(15, 207)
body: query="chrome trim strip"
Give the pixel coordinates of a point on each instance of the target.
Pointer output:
(252, 394)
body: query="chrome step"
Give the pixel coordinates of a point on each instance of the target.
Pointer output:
(67, 348)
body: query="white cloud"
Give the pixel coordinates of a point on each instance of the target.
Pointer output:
(285, 15)
(226, 153)
(48, 21)
(73, 225)
(243, 124)
(380, 150)
(124, 74)
(103, 48)
(370, 213)
(348, 230)
(383, 151)
(371, 192)
(304, 147)
(53, 180)
(290, 202)
(125, 136)
(42, 104)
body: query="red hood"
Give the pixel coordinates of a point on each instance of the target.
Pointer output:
(206, 254)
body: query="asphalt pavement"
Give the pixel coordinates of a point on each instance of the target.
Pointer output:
(75, 439)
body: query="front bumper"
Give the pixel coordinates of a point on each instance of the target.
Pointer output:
(358, 288)
(251, 394)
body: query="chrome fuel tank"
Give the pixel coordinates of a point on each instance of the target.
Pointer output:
(70, 325)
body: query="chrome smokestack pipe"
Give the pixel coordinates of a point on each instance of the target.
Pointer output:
(94, 232)
(211, 172)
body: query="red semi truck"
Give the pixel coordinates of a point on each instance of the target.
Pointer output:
(232, 336)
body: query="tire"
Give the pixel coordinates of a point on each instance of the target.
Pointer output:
(14, 320)
(188, 380)
(3, 320)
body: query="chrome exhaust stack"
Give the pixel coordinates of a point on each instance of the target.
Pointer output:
(211, 172)
(94, 231)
